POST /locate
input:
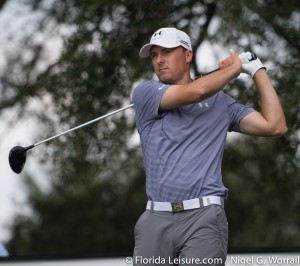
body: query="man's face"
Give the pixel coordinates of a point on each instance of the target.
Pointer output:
(171, 65)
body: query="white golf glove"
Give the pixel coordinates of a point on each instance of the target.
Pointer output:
(250, 66)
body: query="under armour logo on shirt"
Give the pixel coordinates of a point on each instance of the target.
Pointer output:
(160, 88)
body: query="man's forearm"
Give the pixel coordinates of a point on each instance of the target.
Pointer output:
(270, 106)
(200, 89)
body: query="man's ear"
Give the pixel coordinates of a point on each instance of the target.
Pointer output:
(188, 56)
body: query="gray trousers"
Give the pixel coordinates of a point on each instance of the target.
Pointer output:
(192, 237)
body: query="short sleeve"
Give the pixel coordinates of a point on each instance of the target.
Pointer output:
(146, 99)
(237, 111)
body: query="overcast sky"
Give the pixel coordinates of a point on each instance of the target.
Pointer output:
(13, 131)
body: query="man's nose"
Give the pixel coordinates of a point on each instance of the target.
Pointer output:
(160, 58)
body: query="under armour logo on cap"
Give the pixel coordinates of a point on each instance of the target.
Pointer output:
(157, 35)
(168, 38)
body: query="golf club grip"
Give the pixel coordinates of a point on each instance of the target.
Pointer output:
(254, 57)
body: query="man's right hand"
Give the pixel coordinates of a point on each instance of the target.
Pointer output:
(233, 59)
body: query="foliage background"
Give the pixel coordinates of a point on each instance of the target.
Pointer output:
(95, 175)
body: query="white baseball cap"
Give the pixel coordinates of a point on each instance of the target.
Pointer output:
(168, 38)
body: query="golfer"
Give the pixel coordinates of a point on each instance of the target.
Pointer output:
(182, 125)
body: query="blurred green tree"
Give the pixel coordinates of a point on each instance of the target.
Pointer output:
(97, 181)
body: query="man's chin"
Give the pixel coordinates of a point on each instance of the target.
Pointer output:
(165, 79)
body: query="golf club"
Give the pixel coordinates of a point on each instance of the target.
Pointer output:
(17, 155)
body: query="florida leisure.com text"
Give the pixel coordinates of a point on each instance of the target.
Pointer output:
(230, 260)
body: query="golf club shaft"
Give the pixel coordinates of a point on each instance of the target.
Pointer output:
(85, 124)
(107, 115)
(209, 72)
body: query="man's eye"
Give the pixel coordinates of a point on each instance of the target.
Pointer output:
(152, 56)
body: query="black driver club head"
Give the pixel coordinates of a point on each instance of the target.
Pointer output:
(17, 158)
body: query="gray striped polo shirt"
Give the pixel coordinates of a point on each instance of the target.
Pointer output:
(183, 148)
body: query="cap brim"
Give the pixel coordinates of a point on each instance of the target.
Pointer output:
(145, 51)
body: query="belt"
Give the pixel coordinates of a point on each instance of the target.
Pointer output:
(180, 206)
